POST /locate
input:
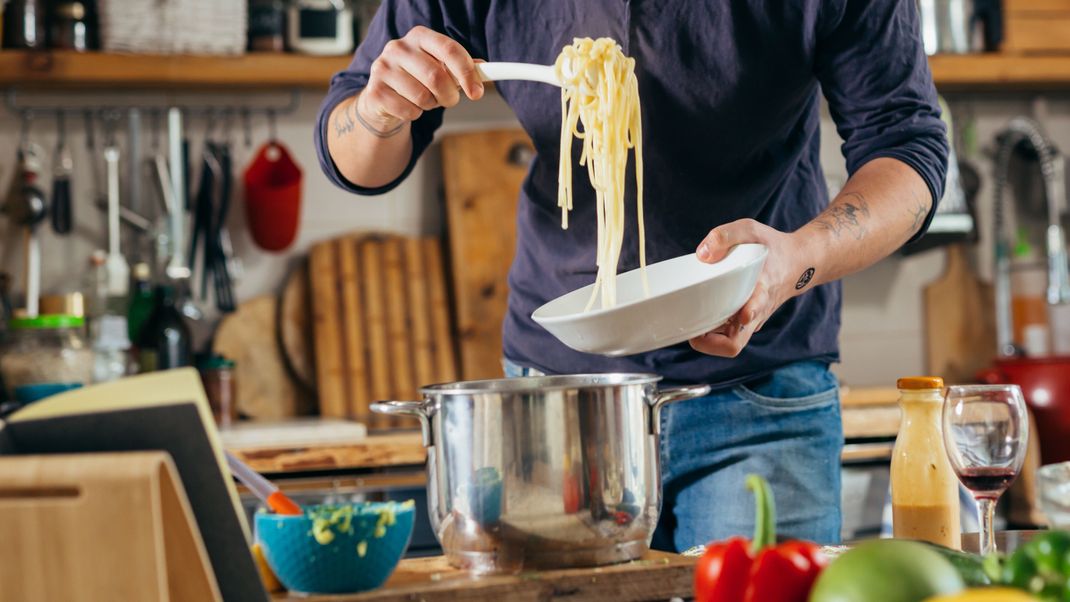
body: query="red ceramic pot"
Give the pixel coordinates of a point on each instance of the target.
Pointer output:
(1046, 385)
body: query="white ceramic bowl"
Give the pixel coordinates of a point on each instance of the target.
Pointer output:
(687, 298)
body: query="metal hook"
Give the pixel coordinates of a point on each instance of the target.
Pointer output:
(247, 126)
(111, 124)
(228, 123)
(24, 130)
(155, 118)
(90, 139)
(61, 128)
(209, 124)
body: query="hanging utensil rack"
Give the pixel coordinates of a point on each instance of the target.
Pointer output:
(207, 110)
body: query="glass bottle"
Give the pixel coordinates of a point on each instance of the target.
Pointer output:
(24, 24)
(68, 27)
(142, 301)
(925, 500)
(165, 342)
(111, 349)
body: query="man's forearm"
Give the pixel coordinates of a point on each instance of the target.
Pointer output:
(362, 157)
(881, 207)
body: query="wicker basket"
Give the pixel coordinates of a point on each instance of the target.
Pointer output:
(173, 26)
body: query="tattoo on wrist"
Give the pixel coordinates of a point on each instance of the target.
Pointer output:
(805, 279)
(846, 215)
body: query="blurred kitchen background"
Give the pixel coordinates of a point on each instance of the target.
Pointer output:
(126, 85)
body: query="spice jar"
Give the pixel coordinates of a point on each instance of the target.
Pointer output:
(267, 25)
(217, 374)
(68, 28)
(45, 355)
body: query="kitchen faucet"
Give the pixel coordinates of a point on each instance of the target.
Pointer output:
(1052, 169)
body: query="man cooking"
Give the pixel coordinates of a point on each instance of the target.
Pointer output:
(730, 102)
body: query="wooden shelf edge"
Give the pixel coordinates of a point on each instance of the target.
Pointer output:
(64, 69)
(1002, 72)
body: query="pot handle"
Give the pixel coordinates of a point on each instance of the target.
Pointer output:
(407, 408)
(670, 395)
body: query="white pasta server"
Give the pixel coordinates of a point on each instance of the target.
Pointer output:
(493, 72)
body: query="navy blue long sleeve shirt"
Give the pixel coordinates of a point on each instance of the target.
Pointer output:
(729, 92)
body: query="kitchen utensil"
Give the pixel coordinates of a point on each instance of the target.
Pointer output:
(959, 320)
(1053, 490)
(336, 549)
(224, 263)
(263, 489)
(687, 298)
(173, 179)
(482, 173)
(248, 336)
(294, 328)
(26, 206)
(986, 431)
(543, 472)
(499, 71)
(62, 166)
(273, 196)
(209, 211)
(367, 323)
(117, 268)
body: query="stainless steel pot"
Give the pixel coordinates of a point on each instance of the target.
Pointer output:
(543, 472)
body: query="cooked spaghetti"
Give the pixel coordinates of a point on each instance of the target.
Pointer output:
(600, 91)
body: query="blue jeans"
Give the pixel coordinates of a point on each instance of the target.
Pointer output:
(785, 426)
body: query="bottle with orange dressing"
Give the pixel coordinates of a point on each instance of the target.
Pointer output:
(925, 502)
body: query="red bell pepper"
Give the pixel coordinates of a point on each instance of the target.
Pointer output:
(760, 570)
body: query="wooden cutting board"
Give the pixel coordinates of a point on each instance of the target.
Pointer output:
(959, 321)
(657, 576)
(483, 173)
(294, 325)
(381, 323)
(263, 388)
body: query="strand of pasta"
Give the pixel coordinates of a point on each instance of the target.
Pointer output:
(600, 91)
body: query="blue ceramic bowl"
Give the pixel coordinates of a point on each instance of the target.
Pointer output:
(336, 549)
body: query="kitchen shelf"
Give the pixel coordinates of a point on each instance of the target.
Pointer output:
(1000, 72)
(60, 69)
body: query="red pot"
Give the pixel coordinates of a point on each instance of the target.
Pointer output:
(1046, 385)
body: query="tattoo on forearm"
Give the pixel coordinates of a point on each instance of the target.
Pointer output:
(846, 215)
(343, 121)
(805, 279)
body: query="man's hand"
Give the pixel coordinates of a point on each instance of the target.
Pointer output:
(782, 277)
(368, 134)
(417, 73)
(883, 204)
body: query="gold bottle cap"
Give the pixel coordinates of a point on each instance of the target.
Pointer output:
(918, 383)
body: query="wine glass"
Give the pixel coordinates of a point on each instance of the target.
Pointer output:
(986, 432)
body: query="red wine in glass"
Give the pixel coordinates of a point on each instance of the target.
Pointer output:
(987, 481)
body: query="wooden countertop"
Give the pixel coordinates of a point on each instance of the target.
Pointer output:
(658, 576)
(374, 451)
(867, 413)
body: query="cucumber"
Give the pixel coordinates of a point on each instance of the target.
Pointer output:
(969, 566)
